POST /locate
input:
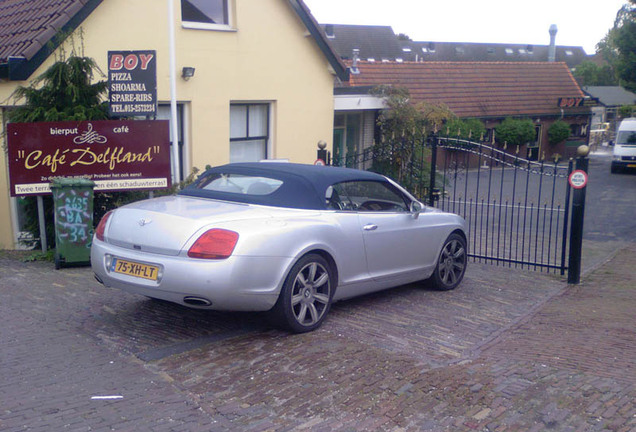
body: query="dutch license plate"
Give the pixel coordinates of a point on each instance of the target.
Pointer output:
(136, 269)
(631, 165)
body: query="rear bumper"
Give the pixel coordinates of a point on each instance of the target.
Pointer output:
(238, 283)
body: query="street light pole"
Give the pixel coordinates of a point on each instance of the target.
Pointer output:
(173, 96)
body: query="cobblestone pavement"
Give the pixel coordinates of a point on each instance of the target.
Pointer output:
(508, 350)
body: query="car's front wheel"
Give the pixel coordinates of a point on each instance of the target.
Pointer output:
(306, 295)
(451, 264)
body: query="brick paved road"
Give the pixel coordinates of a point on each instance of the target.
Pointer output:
(507, 351)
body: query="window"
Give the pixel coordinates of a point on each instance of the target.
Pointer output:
(249, 132)
(205, 13)
(239, 184)
(164, 113)
(626, 138)
(366, 196)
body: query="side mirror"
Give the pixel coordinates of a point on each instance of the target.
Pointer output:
(416, 208)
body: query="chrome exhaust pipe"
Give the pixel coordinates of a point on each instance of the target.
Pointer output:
(197, 301)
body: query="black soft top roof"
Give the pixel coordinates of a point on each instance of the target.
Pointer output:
(303, 187)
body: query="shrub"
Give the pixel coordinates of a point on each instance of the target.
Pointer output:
(558, 132)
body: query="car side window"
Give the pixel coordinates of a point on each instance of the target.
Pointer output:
(367, 196)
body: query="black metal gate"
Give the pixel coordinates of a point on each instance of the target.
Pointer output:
(516, 209)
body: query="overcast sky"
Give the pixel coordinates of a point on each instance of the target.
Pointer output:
(580, 22)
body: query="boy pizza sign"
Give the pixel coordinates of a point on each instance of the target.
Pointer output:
(132, 83)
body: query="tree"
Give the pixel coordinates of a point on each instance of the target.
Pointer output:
(515, 131)
(63, 92)
(558, 132)
(626, 62)
(618, 47)
(403, 128)
(590, 74)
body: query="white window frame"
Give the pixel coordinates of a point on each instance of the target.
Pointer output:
(216, 27)
(183, 111)
(269, 142)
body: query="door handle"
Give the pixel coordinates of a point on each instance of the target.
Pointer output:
(370, 227)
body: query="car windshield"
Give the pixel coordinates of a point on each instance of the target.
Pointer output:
(238, 184)
(626, 137)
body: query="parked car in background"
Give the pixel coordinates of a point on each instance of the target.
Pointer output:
(624, 153)
(279, 237)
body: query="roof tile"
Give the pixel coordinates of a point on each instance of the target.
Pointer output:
(478, 89)
(27, 25)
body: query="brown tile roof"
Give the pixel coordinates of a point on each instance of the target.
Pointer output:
(27, 25)
(478, 89)
(27, 30)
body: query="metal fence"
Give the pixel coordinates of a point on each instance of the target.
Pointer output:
(516, 209)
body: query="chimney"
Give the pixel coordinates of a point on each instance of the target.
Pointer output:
(552, 47)
(356, 59)
(329, 31)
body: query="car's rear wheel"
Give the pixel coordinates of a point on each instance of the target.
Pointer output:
(451, 264)
(306, 295)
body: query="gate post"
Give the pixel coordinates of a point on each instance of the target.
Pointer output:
(322, 154)
(578, 212)
(431, 184)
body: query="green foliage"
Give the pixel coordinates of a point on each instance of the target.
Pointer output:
(618, 47)
(626, 62)
(63, 92)
(558, 132)
(465, 129)
(627, 111)
(403, 127)
(515, 131)
(401, 117)
(40, 256)
(590, 74)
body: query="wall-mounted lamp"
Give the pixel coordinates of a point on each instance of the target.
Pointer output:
(187, 72)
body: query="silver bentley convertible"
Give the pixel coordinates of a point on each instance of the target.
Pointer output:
(279, 237)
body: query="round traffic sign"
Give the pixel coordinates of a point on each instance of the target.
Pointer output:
(319, 162)
(578, 179)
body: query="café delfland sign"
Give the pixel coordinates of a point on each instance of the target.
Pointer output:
(117, 155)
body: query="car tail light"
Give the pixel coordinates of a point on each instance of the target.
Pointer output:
(101, 226)
(214, 244)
